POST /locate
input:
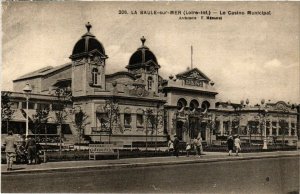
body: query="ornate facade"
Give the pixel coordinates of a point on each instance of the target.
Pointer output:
(137, 104)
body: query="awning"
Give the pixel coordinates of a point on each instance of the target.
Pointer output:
(18, 116)
(30, 113)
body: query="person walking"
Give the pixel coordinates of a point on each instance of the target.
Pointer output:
(188, 149)
(230, 145)
(237, 144)
(176, 146)
(198, 145)
(10, 149)
(31, 150)
(170, 146)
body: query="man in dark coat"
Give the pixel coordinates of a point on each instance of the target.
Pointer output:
(176, 146)
(230, 144)
(31, 150)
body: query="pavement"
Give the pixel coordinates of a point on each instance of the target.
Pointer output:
(140, 162)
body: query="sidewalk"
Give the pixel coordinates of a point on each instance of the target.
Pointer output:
(140, 162)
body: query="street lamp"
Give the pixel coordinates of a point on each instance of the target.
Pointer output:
(263, 114)
(27, 90)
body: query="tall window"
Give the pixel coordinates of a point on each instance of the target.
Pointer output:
(30, 105)
(42, 106)
(150, 80)
(127, 120)
(139, 120)
(95, 76)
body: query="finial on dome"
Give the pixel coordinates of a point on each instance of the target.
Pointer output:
(143, 39)
(88, 26)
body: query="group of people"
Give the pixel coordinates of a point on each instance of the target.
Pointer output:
(12, 150)
(196, 143)
(234, 143)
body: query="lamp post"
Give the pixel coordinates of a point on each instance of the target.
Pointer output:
(27, 90)
(263, 114)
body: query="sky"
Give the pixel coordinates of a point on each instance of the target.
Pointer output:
(247, 56)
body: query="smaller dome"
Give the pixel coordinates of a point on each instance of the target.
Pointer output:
(142, 56)
(87, 43)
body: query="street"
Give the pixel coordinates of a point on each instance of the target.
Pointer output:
(269, 175)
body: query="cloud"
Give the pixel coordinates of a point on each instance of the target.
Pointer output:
(275, 63)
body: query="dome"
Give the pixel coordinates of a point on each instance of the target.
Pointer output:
(87, 43)
(142, 56)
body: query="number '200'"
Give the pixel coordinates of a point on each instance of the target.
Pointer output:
(122, 11)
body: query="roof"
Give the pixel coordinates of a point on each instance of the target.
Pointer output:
(121, 73)
(88, 44)
(192, 72)
(142, 57)
(43, 72)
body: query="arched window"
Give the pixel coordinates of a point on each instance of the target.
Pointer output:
(181, 104)
(205, 106)
(194, 104)
(95, 76)
(127, 117)
(139, 118)
(150, 80)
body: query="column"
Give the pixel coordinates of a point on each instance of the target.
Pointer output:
(290, 127)
(133, 121)
(247, 128)
(229, 125)
(271, 127)
(122, 120)
(277, 128)
(221, 125)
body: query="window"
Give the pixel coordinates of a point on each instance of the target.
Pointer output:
(194, 105)
(205, 106)
(127, 120)
(274, 129)
(94, 76)
(30, 105)
(139, 120)
(57, 107)
(14, 105)
(293, 131)
(150, 80)
(42, 106)
(181, 104)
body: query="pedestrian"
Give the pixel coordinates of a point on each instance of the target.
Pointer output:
(38, 152)
(188, 149)
(170, 146)
(10, 149)
(230, 145)
(31, 150)
(198, 145)
(176, 146)
(237, 144)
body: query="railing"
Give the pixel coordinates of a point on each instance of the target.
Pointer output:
(99, 130)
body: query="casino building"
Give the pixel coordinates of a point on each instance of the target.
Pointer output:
(136, 104)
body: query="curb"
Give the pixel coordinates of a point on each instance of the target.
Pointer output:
(137, 164)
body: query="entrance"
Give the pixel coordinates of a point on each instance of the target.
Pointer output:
(179, 129)
(203, 130)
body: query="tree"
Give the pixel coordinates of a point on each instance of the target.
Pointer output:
(112, 111)
(152, 121)
(212, 128)
(40, 120)
(6, 111)
(80, 122)
(61, 114)
(283, 129)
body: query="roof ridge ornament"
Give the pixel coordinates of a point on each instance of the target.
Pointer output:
(88, 26)
(143, 39)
